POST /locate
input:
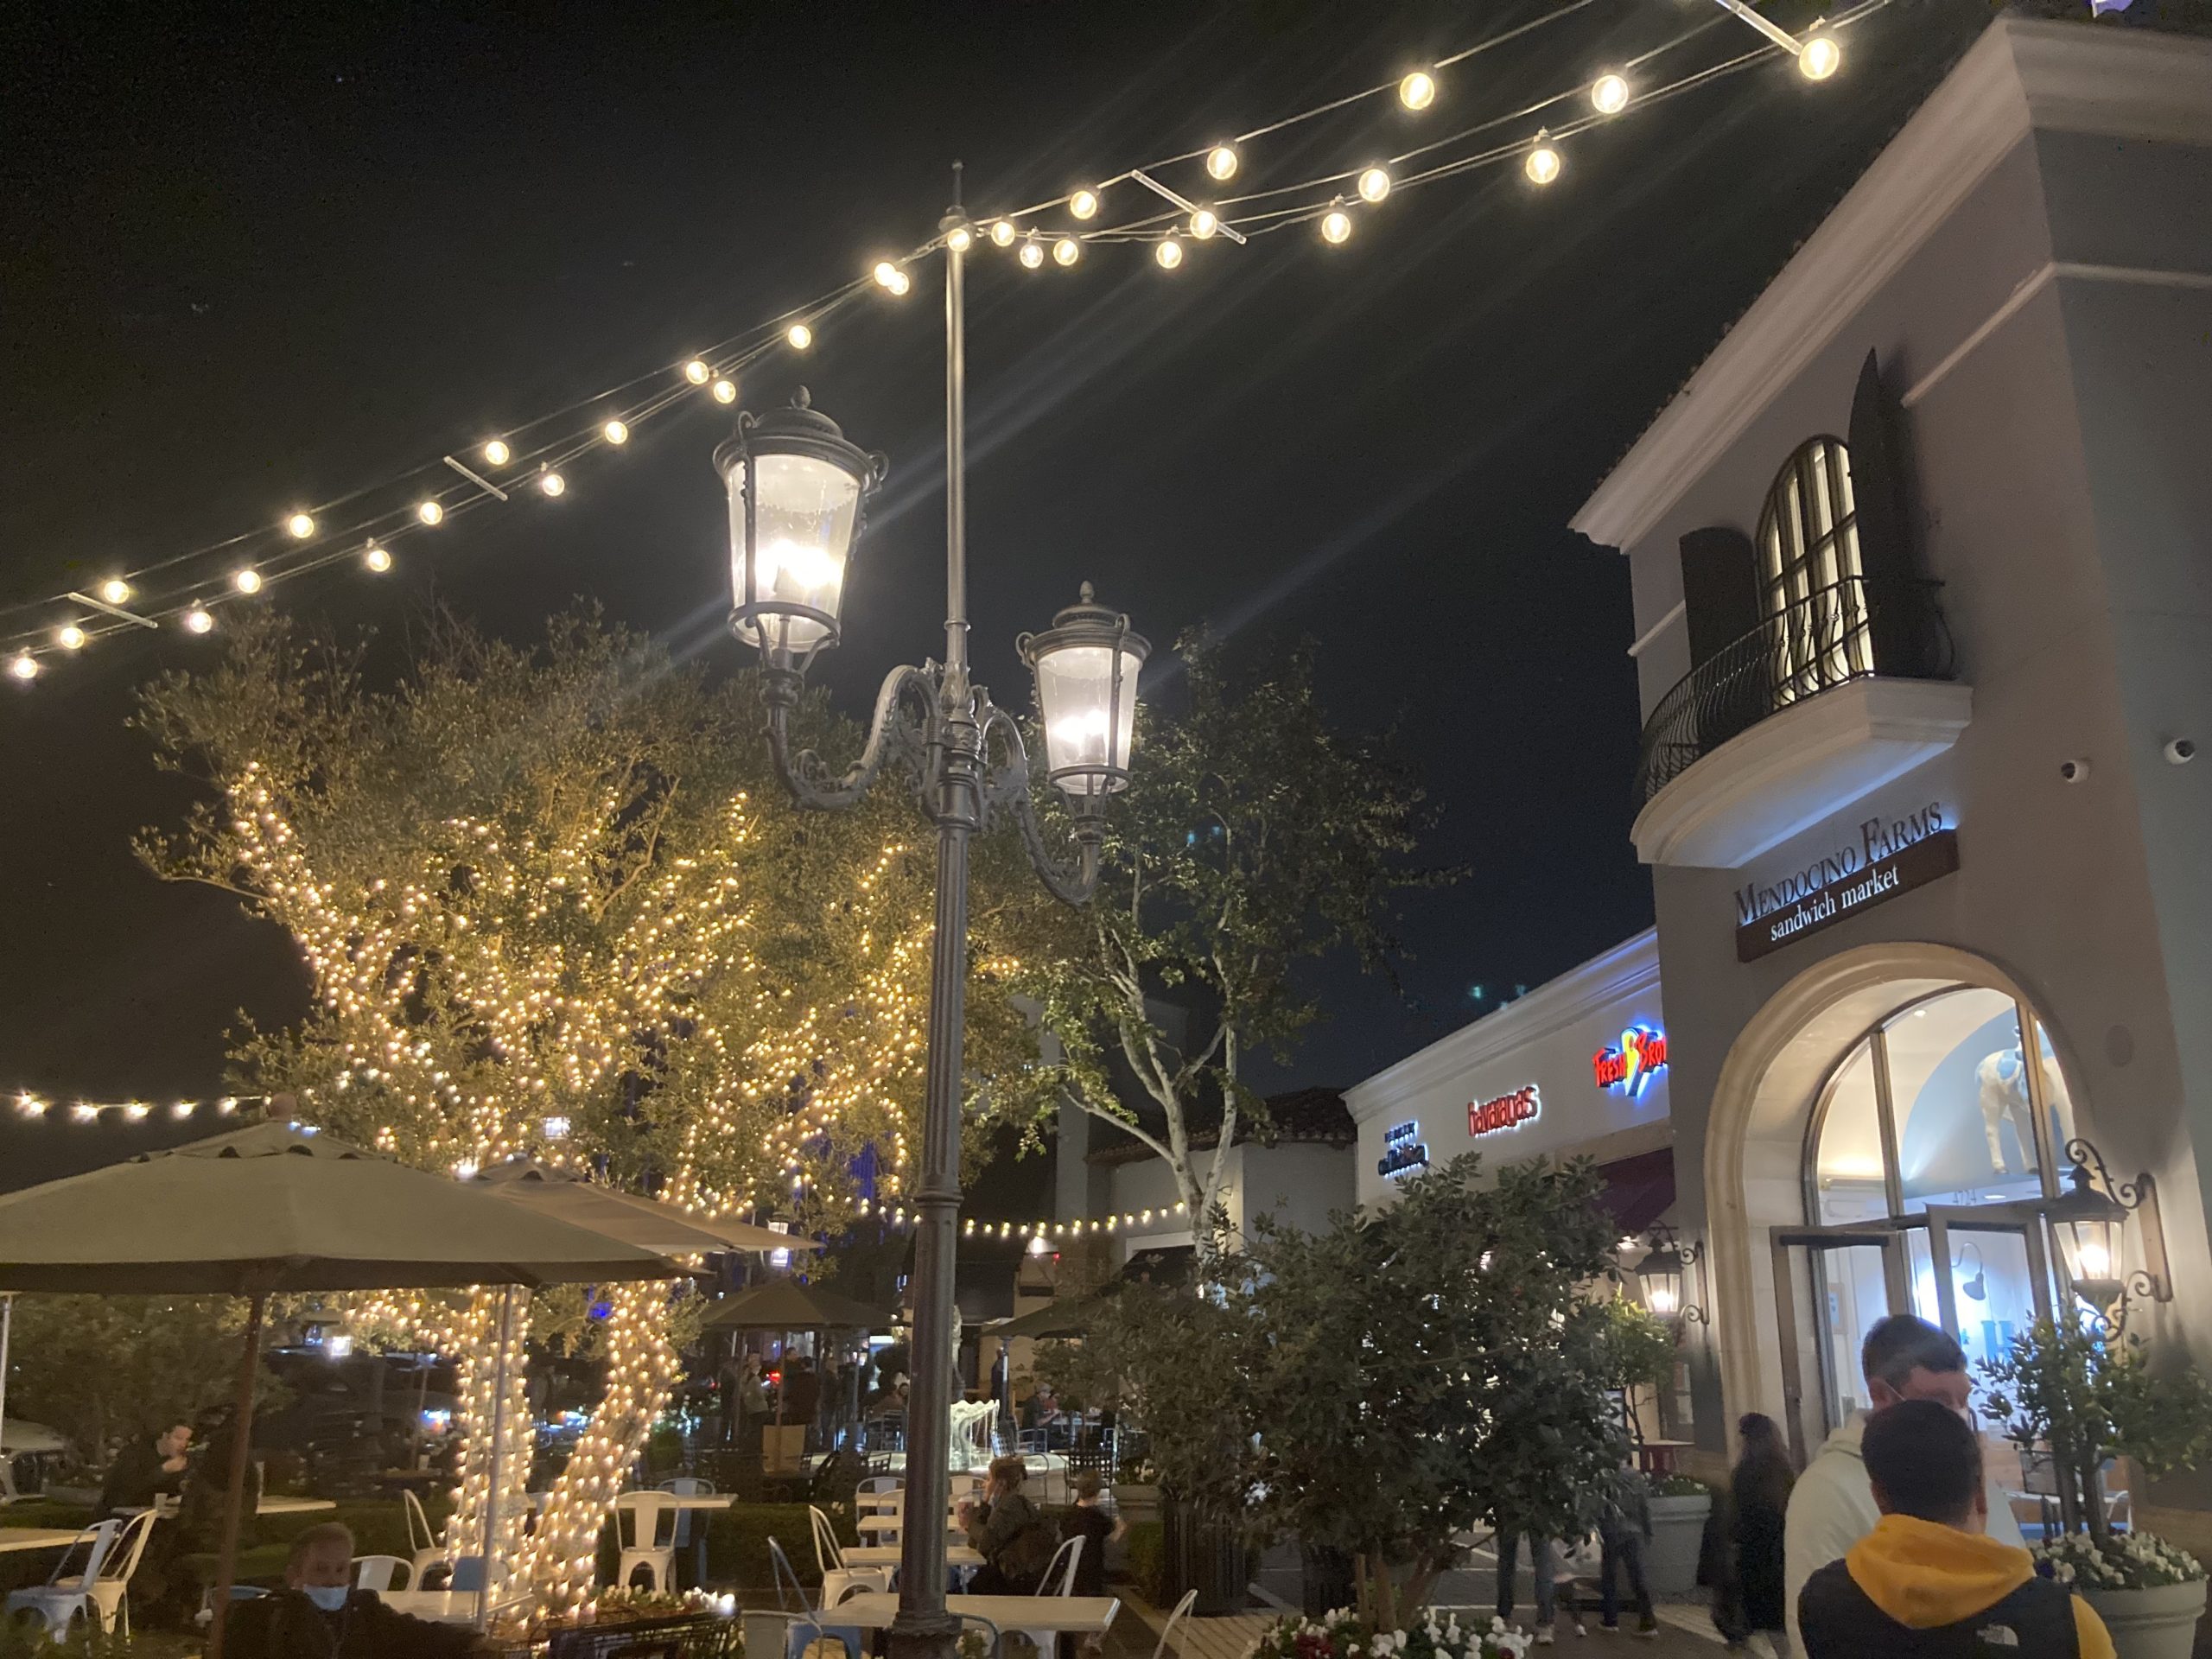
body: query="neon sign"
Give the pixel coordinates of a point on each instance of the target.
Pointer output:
(1628, 1066)
(1506, 1112)
(1403, 1150)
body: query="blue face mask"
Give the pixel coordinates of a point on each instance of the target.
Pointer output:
(331, 1598)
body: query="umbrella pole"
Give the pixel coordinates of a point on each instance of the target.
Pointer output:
(7, 1328)
(226, 1561)
(498, 1456)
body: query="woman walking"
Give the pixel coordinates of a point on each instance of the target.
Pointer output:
(1760, 1489)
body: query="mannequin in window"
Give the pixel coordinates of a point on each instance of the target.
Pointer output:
(2003, 1076)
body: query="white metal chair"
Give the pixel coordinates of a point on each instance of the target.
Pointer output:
(111, 1590)
(839, 1580)
(1059, 1580)
(377, 1573)
(1189, 1600)
(422, 1543)
(66, 1596)
(803, 1626)
(644, 1523)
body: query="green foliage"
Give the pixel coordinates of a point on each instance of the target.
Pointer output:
(1255, 836)
(1145, 1542)
(1637, 1347)
(1181, 1366)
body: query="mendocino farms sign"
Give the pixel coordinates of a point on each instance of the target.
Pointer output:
(1891, 855)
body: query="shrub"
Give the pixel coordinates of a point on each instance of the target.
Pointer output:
(1146, 1545)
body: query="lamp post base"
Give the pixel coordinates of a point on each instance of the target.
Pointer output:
(915, 1634)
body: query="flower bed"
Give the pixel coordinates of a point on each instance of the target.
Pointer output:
(1344, 1634)
(2127, 1560)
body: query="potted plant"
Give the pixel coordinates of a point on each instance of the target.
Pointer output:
(2079, 1397)
(1678, 1508)
(1428, 1634)
(1639, 1356)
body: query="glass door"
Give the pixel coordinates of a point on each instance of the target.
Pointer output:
(1852, 1277)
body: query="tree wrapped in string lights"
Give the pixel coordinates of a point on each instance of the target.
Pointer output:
(554, 904)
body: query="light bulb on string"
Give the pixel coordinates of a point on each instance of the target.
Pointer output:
(1819, 55)
(1032, 252)
(496, 453)
(697, 372)
(301, 524)
(1002, 232)
(246, 579)
(1067, 250)
(1374, 183)
(1204, 222)
(1336, 227)
(554, 484)
(198, 620)
(1169, 253)
(431, 514)
(1222, 162)
(616, 433)
(23, 666)
(799, 336)
(1083, 204)
(899, 283)
(1543, 163)
(115, 590)
(1609, 94)
(69, 637)
(376, 558)
(1418, 90)
(884, 273)
(725, 391)
(960, 238)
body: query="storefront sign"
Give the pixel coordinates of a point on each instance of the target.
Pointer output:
(1403, 1150)
(1891, 864)
(1628, 1067)
(1506, 1112)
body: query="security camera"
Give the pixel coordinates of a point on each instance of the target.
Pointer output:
(2181, 750)
(2072, 772)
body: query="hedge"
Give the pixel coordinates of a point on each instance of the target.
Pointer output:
(737, 1547)
(1147, 1544)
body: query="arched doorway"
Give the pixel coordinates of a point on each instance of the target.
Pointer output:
(1863, 1118)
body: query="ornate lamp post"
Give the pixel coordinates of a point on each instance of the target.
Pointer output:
(1663, 1276)
(2086, 1220)
(798, 491)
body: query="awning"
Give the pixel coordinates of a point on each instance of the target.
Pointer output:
(1638, 1190)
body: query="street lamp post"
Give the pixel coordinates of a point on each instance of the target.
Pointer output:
(797, 493)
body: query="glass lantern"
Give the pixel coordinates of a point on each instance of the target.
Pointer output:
(798, 489)
(1660, 1273)
(1086, 666)
(2087, 1223)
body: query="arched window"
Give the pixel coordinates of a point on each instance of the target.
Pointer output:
(1814, 587)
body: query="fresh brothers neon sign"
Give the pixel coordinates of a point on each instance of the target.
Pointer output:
(1629, 1065)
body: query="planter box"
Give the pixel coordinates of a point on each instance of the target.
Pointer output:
(1206, 1554)
(1677, 1533)
(2155, 1623)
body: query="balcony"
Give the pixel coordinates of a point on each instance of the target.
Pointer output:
(1847, 689)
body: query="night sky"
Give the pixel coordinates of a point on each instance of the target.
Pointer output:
(252, 260)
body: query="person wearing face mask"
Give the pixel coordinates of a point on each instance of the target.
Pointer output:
(1833, 1506)
(317, 1615)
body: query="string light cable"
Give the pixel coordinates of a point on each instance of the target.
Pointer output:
(533, 458)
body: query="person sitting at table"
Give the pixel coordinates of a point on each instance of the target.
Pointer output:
(147, 1469)
(200, 1511)
(1015, 1543)
(318, 1615)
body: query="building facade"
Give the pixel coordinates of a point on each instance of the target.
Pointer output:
(1922, 563)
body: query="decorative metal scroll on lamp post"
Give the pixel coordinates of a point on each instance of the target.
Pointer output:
(798, 489)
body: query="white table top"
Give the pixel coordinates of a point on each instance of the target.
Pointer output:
(688, 1500)
(889, 1554)
(440, 1607)
(1076, 1615)
(35, 1538)
(166, 1507)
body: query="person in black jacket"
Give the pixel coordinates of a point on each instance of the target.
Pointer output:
(146, 1469)
(1928, 1582)
(319, 1616)
(1760, 1495)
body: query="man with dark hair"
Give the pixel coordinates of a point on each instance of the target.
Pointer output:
(1831, 1507)
(317, 1615)
(1928, 1581)
(148, 1467)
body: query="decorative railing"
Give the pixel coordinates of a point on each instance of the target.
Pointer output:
(1823, 640)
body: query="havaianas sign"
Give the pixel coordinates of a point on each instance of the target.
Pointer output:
(1891, 855)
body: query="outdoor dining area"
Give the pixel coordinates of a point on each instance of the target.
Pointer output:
(811, 1551)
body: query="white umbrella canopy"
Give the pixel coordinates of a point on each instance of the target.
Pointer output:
(275, 1207)
(646, 1223)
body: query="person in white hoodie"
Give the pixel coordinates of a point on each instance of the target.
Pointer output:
(1833, 1506)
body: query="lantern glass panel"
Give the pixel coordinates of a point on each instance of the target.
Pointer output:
(805, 513)
(1089, 715)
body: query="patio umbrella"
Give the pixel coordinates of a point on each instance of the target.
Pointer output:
(646, 1223)
(1072, 1317)
(786, 1305)
(274, 1208)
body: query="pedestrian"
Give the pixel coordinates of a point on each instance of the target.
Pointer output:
(752, 1407)
(802, 1400)
(1541, 1566)
(1929, 1582)
(1624, 1528)
(1759, 1495)
(1833, 1505)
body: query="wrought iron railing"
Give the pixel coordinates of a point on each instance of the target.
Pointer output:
(1823, 640)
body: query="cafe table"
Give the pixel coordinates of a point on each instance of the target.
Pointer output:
(12, 1538)
(1069, 1615)
(888, 1556)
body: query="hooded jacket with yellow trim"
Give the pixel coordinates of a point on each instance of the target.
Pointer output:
(1919, 1590)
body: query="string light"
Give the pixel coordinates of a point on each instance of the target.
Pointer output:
(800, 336)
(900, 284)
(1067, 250)
(886, 273)
(1609, 94)
(377, 558)
(554, 484)
(246, 580)
(23, 666)
(959, 238)
(1168, 253)
(697, 372)
(199, 621)
(616, 433)
(69, 637)
(1820, 56)
(1543, 163)
(1418, 90)
(1032, 252)
(1221, 162)
(1002, 232)
(1083, 204)
(725, 391)
(431, 514)
(115, 590)
(301, 524)
(1204, 222)
(1336, 226)
(1374, 183)
(496, 453)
